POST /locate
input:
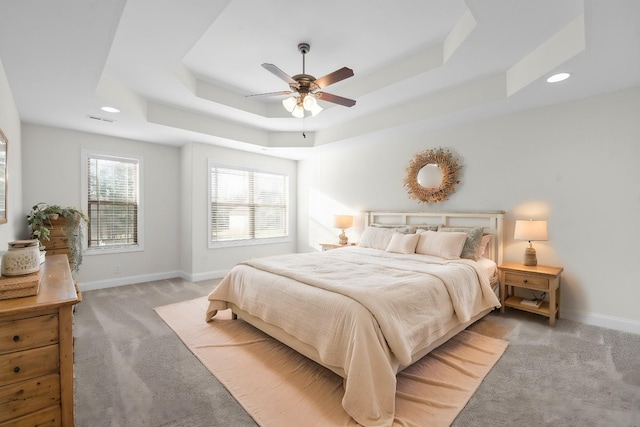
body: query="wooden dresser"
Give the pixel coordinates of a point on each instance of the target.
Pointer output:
(36, 351)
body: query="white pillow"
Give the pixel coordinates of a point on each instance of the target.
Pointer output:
(375, 238)
(403, 243)
(444, 245)
(474, 237)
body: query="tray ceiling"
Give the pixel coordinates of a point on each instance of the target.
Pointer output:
(181, 71)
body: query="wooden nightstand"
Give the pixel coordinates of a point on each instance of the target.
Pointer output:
(329, 246)
(539, 278)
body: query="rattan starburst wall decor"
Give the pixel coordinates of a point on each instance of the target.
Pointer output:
(449, 166)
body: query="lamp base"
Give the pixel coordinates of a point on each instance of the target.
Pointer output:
(530, 258)
(343, 238)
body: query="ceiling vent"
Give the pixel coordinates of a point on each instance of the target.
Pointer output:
(100, 119)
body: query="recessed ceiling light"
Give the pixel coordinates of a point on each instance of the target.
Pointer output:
(558, 77)
(110, 109)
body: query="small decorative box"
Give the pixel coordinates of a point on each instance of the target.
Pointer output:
(19, 286)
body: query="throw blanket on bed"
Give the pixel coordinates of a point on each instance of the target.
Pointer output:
(382, 283)
(378, 308)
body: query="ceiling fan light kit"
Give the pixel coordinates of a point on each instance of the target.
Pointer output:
(297, 104)
(310, 103)
(305, 89)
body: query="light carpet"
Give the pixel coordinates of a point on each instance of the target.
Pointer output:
(279, 387)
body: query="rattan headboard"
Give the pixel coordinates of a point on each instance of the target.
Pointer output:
(492, 221)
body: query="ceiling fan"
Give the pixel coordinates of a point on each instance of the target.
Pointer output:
(306, 89)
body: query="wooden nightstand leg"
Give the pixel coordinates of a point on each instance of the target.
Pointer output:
(552, 303)
(558, 297)
(502, 295)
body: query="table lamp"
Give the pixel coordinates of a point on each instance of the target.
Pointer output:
(343, 222)
(530, 230)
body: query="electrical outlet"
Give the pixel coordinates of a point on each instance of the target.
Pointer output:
(117, 269)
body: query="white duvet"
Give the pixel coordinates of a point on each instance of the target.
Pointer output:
(366, 312)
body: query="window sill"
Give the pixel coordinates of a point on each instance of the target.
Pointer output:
(248, 242)
(112, 250)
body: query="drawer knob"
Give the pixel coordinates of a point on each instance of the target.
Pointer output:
(16, 369)
(16, 338)
(524, 281)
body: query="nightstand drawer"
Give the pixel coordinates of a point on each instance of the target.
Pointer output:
(23, 365)
(33, 332)
(526, 281)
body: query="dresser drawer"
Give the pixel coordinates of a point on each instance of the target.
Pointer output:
(27, 333)
(49, 417)
(23, 365)
(526, 281)
(26, 397)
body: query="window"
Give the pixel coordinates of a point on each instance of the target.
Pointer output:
(247, 206)
(112, 198)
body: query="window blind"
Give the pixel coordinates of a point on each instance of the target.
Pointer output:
(112, 201)
(247, 204)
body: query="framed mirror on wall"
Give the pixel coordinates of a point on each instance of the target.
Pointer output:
(432, 175)
(4, 143)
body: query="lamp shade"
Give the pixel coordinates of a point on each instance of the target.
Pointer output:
(298, 111)
(315, 110)
(290, 103)
(530, 230)
(343, 221)
(309, 102)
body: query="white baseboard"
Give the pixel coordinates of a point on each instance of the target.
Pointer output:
(205, 276)
(602, 320)
(132, 280)
(129, 280)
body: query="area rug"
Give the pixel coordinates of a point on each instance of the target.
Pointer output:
(279, 387)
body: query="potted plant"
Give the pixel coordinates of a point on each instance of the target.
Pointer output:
(39, 220)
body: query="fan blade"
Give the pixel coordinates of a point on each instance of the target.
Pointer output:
(335, 99)
(284, 92)
(279, 73)
(336, 76)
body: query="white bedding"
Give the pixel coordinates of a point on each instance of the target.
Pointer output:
(366, 312)
(490, 269)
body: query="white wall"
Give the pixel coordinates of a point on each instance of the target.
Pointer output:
(207, 263)
(10, 125)
(575, 165)
(186, 205)
(175, 185)
(52, 174)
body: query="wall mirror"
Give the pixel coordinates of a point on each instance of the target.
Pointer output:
(432, 175)
(3, 176)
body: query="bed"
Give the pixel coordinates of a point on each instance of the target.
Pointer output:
(369, 310)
